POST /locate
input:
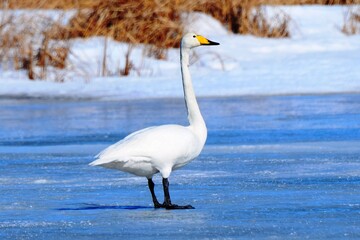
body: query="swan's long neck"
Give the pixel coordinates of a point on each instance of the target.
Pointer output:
(194, 115)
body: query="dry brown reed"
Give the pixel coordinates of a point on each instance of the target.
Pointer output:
(351, 21)
(148, 22)
(155, 23)
(245, 17)
(307, 2)
(47, 4)
(28, 46)
(71, 4)
(128, 66)
(261, 25)
(158, 23)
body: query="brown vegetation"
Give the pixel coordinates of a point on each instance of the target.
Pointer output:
(71, 4)
(245, 17)
(307, 2)
(28, 46)
(158, 23)
(149, 22)
(38, 43)
(47, 4)
(351, 22)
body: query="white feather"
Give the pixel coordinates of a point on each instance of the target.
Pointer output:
(152, 150)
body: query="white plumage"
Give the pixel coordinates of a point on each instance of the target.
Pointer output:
(151, 150)
(162, 148)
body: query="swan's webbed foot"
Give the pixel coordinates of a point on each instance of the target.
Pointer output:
(174, 206)
(167, 203)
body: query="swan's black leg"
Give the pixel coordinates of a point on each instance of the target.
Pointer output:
(151, 187)
(167, 202)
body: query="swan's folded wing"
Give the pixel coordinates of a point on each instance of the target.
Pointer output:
(121, 151)
(138, 165)
(123, 160)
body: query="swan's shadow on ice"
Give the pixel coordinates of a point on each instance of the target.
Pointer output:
(91, 206)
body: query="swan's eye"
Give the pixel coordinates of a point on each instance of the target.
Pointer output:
(194, 36)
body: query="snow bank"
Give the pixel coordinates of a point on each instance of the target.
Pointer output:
(317, 59)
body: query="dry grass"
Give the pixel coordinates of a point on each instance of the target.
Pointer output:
(142, 21)
(245, 17)
(261, 25)
(47, 4)
(16, 44)
(28, 46)
(135, 22)
(39, 43)
(146, 21)
(351, 21)
(71, 4)
(150, 22)
(308, 2)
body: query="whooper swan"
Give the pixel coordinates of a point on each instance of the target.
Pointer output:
(163, 148)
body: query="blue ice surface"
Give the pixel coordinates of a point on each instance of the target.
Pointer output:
(282, 167)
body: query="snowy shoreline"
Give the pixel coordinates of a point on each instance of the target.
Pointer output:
(317, 59)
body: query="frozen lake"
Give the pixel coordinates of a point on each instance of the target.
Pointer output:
(282, 167)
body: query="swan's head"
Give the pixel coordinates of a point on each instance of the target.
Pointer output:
(191, 40)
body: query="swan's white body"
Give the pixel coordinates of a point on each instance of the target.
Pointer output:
(167, 147)
(152, 150)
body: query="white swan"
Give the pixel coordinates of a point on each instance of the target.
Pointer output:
(163, 148)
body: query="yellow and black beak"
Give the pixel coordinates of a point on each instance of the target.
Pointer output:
(204, 41)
